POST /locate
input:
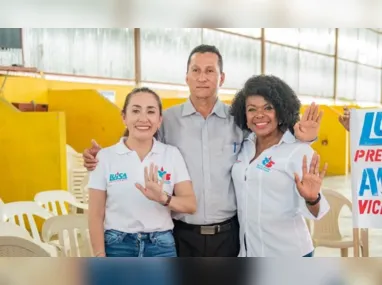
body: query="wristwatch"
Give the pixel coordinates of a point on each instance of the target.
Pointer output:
(169, 197)
(315, 202)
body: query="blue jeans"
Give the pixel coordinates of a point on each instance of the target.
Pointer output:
(309, 254)
(156, 244)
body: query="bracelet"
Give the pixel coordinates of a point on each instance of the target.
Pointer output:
(315, 202)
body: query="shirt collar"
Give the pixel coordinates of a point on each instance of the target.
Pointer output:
(121, 148)
(287, 137)
(219, 110)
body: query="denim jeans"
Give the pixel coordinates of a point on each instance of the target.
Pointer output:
(156, 244)
(310, 254)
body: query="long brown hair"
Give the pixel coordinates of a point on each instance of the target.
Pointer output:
(141, 90)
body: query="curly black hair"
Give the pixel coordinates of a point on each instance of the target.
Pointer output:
(275, 91)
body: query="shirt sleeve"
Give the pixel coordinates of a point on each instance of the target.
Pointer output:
(161, 135)
(161, 132)
(97, 177)
(296, 167)
(180, 169)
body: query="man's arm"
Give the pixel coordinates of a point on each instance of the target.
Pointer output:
(89, 156)
(345, 119)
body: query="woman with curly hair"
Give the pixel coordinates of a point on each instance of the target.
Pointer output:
(275, 190)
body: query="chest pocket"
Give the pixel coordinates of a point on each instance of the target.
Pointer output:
(226, 155)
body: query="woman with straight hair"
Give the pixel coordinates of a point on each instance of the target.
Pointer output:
(136, 185)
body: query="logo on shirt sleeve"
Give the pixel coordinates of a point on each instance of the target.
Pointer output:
(164, 176)
(266, 164)
(119, 176)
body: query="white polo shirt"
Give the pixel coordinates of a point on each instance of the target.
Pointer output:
(270, 209)
(127, 209)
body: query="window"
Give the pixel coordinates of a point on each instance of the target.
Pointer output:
(241, 56)
(164, 53)
(91, 52)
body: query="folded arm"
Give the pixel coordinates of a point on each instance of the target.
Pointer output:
(184, 200)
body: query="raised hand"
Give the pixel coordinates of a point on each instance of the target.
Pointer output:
(345, 118)
(307, 128)
(153, 188)
(89, 155)
(310, 184)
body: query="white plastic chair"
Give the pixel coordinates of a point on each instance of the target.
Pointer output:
(13, 246)
(74, 159)
(326, 232)
(73, 235)
(50, 199)
(10, 229)
(76, 174)
(1, 209)
(78, 179)
(14, 210)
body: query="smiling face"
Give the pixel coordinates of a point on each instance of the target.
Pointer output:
(142, 116)
(203, 75)
(261, 116)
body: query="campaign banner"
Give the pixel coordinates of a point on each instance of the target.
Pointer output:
(366, 171)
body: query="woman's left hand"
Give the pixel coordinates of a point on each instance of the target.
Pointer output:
(310, 184)
(306, 130)
(153, 189)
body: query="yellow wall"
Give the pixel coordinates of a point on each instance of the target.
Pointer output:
(169, 102)
(120, 91)
(25, 89)
(32, 153)
(339, 110)
(88, 116)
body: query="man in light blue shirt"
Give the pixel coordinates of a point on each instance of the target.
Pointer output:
(209, 140)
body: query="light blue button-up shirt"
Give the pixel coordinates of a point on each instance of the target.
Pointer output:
(210, 147)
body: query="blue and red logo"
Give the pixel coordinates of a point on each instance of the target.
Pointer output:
(266, 164)
(164, 176)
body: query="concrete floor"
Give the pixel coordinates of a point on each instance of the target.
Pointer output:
(342, 184)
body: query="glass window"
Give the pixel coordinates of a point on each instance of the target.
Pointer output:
(348, 44)
(316, 74)
(283, 62)
(241, 56)
(368, 47)
(10, 56)
(368, 84)
(379, 61)
(346, 80)
(164, 53)
(91, 52)
(320, 40)
(252, 32)
(283, 36)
